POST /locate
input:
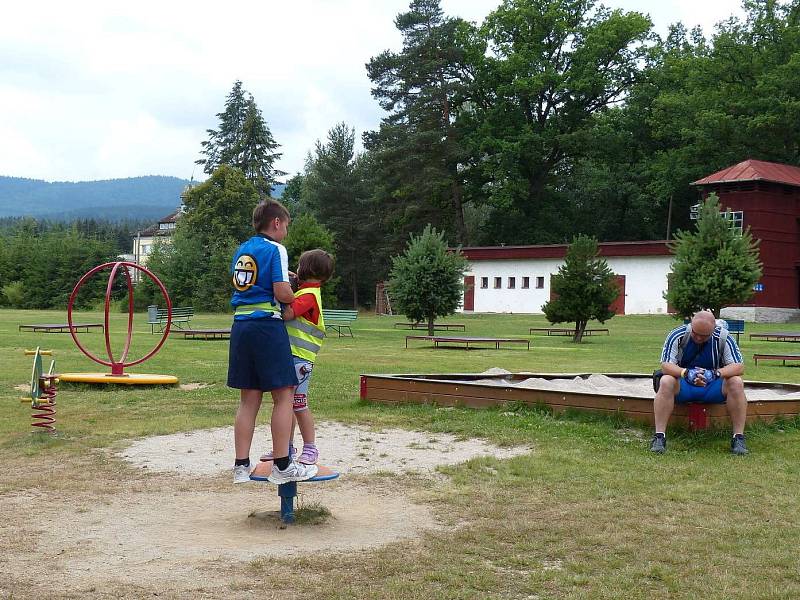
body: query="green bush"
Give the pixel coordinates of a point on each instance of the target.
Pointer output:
(14, 294)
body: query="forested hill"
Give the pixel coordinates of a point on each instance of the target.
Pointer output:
(149, 197)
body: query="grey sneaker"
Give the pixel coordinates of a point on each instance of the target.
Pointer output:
(294, 472)
(659, 444)
(241, 473)
(309, 455)
(738, 446)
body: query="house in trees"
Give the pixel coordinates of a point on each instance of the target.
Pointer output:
(162, 230)
(760, 195)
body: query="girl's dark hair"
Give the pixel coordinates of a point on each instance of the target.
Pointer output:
(315, 264)
(266, 211)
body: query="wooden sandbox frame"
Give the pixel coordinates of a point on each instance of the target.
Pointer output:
(463, 390)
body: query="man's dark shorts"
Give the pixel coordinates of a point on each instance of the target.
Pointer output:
(709, 394)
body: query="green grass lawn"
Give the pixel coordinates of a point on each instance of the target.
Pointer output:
(589, 514)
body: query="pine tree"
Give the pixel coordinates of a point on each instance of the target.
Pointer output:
(426, 281)
(418, 147)
(243, 140)
(714, 266)
(583, 288)
(333, 189)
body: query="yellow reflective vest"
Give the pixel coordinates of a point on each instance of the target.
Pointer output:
(304, 336)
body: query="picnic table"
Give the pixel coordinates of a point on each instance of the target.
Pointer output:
(60, 327)
(436, 326)
(203, 334)
(778, 336)
(566, 331)
(466, 341)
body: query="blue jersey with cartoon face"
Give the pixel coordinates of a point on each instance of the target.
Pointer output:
(257, 264)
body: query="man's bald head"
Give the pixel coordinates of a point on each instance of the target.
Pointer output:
(703, 323)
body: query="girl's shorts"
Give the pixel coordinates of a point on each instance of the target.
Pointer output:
(302, 369)
(260, 357)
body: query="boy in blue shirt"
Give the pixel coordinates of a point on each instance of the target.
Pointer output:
(260, 357)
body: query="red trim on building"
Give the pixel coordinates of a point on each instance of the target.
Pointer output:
(754, 170)
(606, 249)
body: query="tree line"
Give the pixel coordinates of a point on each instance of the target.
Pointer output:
(40, 261)
(549, 119)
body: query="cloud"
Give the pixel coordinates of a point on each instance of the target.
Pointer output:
(94, 90)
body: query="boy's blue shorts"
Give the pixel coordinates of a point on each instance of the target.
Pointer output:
(260, 357)
(709, 394)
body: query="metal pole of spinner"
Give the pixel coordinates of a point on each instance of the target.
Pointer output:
(118, 366)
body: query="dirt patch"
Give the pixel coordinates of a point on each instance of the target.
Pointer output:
(350, 449)
(169, 521)
(190, 387)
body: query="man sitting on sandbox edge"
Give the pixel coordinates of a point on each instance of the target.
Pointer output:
(700, 363)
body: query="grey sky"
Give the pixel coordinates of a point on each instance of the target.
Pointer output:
(97, 90)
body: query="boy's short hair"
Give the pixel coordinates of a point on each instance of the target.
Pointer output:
(315, 264)
(265, 211)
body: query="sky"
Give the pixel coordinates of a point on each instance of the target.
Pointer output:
(95, 90)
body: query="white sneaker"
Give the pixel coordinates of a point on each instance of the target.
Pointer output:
(241, 473)
(294, 472)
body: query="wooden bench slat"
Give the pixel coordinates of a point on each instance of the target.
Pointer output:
(466, 341)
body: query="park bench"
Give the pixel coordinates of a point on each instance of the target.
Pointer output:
(60, 327)
(157, 317)
(566, 331)
(436, 326)
(777, 336)
(466, 341)
(339, 320)
(781, 357)
(204, 334)
(735, 326)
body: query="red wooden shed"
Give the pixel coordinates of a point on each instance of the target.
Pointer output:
(767, 195)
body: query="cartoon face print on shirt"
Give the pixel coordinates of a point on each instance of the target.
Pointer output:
(245, 273)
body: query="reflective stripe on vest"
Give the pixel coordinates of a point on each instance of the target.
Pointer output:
(304, 336)
(249, 309)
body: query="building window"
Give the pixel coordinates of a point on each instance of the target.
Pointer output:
(526, 283)
(736, 217)
(512, 283)
(145, 249)
(166, 226)
(540, 283)
(484, 283)
(498, 283)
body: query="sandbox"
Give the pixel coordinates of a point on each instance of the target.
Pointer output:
(629, 394)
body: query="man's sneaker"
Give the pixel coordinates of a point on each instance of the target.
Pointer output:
(738, 446)
(268, 455)
(309, 455)
(659, 444)
(241, 473)
(294, 472)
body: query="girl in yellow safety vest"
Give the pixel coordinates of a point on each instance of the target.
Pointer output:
(306, 329)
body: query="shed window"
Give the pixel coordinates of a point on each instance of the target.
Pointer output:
(539, 283)
(498, 283)
(484, 282)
